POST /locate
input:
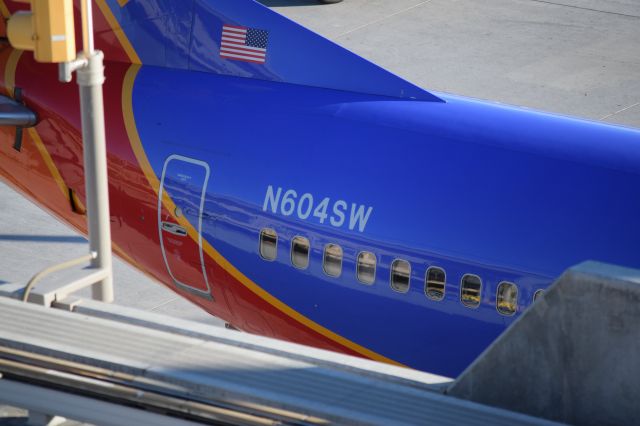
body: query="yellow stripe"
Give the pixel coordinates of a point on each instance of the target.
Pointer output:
(115, 27)
(10, 82)
(122, 3)
(10, 71)
(123, 254)
(136, 144)
(48, 161)
(4, 10)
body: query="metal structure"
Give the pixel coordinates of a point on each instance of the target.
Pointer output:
(90, 79)
(572, 357)
(113, 371)
(27, 31)
(579, 367)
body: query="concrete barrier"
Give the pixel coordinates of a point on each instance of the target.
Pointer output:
(573, 357)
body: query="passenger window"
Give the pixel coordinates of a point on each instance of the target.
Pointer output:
(332, 262)
(300, 252)
(470, 291)
(507, 298)
(537, 294)
(268, 244)
(366, 268)
(400, 275)
(434, 283)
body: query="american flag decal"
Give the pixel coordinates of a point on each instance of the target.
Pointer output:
(244, 44)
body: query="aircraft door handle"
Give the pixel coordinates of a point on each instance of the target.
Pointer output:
(174, 228)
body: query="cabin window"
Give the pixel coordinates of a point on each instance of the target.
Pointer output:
(332, 261)
(434, 283)
(268, 244)
(507, 298)
(366, 268)
(470, 290)
(400, 274)
(537, 294)
(300, 252)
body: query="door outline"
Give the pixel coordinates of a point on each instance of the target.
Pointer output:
(202, 293)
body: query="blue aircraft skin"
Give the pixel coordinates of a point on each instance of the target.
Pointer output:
(474, 188)
(319, 143)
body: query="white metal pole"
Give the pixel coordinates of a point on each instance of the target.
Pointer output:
(87, 26)
(90, 79)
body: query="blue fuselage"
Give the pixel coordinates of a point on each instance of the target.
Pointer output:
(505, 194)
(299, 191)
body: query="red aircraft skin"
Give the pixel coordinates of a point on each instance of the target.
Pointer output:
(49, 166)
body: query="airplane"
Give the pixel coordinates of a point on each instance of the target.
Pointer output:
(298, 191)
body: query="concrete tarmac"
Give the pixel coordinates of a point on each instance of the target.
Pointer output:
(574, 57)
(31, 239)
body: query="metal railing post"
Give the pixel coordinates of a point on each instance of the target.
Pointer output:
(90, 79)
(89, 67)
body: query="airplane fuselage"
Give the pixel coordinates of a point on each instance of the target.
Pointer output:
(408, 231)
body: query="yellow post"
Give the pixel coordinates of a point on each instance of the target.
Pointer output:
(47, 30)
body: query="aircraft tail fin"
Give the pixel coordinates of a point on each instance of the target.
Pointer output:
(246, 39)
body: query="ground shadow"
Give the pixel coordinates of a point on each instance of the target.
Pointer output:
(287, 3)
(14, 421)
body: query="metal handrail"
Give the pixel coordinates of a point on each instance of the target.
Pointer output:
(55, 268)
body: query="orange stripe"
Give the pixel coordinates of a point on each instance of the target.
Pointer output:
(48, 161)
(136, 144)
(122, 3)
(123, 254)
(10, 81)
(10, 70)
(4, 10)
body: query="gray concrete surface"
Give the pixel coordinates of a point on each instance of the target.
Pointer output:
(575, 57)
(31, 239)
(573, 357)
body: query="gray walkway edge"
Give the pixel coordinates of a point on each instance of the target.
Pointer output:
(572, 357)
(227, 368)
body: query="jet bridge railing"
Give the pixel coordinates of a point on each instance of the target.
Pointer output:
(185, 373)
